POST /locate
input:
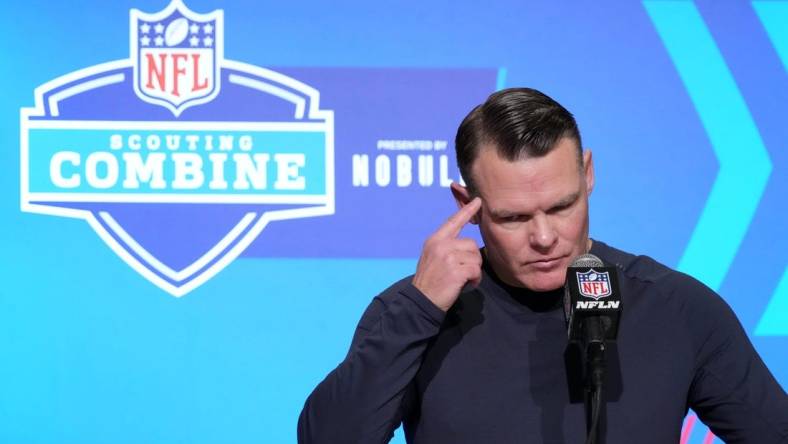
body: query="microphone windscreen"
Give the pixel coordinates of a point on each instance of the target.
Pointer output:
(587, 260)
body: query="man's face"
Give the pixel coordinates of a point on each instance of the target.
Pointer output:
(534, 215)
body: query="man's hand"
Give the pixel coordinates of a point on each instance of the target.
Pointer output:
(448, 263)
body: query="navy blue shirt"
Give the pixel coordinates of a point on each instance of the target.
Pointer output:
(497, 368)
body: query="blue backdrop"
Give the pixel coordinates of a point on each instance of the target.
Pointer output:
(683, 104)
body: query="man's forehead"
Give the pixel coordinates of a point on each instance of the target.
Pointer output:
(526, 203)
(529, 183)
(559, 165)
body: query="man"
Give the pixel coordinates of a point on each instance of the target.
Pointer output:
(473, 347)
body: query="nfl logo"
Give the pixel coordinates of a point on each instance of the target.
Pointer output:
(144, 204)
(176, 55)
(593, 284)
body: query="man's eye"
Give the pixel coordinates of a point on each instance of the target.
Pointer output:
(513, 218)
(559, 209)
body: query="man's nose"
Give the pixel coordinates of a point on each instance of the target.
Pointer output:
(543, 235)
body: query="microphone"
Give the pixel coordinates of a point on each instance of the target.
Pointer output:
(592, 301)
(592, 307)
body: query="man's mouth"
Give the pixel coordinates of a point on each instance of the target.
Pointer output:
(546, 264)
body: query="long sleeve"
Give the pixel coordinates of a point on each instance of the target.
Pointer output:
(361, 400)
(733, 391)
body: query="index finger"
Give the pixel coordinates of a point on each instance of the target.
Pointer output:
(452, 227)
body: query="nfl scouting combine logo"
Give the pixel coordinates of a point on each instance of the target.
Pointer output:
(176, 157)
(593, 284)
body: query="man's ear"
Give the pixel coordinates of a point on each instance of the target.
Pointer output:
(463, 197)
(588, 171)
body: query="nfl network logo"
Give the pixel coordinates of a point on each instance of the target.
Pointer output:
(177, 190)
(593, 284)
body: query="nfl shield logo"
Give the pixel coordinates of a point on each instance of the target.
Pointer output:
(176, 55)
(593, 284)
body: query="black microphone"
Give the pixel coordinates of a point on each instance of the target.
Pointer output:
(592, 301)
(592, 307)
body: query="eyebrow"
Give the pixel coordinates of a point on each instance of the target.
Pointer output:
(563, 202)
(566, 201)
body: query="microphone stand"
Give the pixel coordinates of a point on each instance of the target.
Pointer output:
(594, 346)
